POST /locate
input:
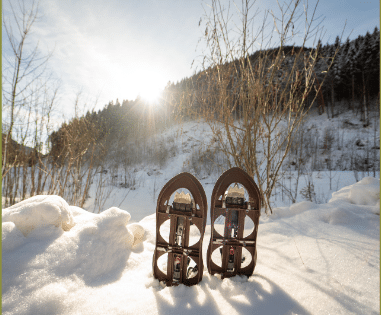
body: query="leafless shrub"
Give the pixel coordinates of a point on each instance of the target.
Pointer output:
(308, 192)
(255, 103)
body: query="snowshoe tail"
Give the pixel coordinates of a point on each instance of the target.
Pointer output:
(181, 214)
(235, 209)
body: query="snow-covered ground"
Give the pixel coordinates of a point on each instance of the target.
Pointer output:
(317, 257)
(349, 139)
(312, 259)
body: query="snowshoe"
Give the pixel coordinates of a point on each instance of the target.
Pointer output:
(233, 256)
(184, 263)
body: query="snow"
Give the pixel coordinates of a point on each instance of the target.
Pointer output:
(312, 259)
(193, 136)
(319, 257)
(38, 211)
(365, 192)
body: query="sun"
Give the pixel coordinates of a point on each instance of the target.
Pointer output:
(151, 87)
(151, 94)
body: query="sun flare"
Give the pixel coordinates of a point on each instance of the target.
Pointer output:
(151, 94)
(151, 88)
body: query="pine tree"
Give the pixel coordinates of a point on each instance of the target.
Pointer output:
(375, 57)
(334, 74)
(366, 56)
(344, 75)
(375, 47)
(350, 68)
(365, 59)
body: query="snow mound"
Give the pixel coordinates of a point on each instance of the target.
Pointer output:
(99, 244)
(353, 206)
(294, 209)
(344, 216)
(365, 192)
(110, 226)
(95, 250)
(297, 208)
(44, 212)
(39, 211)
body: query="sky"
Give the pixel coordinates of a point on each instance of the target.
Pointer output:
(113, 49)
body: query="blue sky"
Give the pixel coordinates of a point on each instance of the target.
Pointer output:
(120, 49)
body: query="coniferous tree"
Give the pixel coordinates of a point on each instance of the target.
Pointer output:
(350, 70)
(365, 62)
(342, 86)
(374, 63)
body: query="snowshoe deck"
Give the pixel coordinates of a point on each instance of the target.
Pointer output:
(234, 209)
(182, 215)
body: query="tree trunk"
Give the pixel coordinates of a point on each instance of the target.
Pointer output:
(327, 95)
(353, 91)
(32, 177)
(332, 99)
(364, 100)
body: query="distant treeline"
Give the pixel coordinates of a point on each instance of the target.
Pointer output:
(354, 71)
(126, 121)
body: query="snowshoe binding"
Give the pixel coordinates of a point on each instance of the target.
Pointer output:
(184, 262)
(235, 250)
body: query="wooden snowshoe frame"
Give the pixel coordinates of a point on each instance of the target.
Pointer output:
(197, 216)
(234, 175)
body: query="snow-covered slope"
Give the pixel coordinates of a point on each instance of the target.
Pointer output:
(347, 140)
(312, 259)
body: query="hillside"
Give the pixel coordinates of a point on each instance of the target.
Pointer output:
(336, 152)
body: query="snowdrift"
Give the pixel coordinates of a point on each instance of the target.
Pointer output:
(39, 211)
(312, 259)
